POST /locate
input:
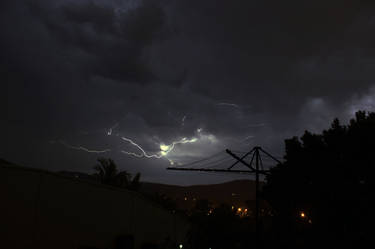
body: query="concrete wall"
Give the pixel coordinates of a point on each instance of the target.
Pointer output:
(45, 210)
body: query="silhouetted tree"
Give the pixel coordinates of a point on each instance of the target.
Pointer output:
(322, 192)
(162, 200)
(107, 173)
(135, 183)
(203, 206)
(218, 227)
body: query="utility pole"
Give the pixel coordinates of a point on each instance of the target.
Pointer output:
(255, 152)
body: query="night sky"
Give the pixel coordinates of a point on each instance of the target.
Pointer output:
(80, 78)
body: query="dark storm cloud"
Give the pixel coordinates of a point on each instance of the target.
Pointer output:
(50, 53)
(255, 44)
(51, 56)
(158, 71)
(277, 55)
(113, 40)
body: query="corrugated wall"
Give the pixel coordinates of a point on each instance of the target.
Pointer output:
(45, 210)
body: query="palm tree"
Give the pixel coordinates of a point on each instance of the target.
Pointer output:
(135, 183)
(107, 173)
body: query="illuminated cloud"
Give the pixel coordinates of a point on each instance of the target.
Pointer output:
(365, 101)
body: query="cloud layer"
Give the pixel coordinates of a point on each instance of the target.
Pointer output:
(242, 74)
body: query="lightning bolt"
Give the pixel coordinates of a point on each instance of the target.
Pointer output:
(110, 130)
(143, 154)
(81, 148)
(256, 125)
(229, 104)
(183, 120)
(247, 138)
(164, 149)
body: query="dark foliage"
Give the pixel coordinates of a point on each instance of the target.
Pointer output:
(219, 228)
(322, 194)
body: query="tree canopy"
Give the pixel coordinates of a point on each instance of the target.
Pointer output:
(325, 183)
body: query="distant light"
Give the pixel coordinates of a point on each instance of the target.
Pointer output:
(232, 207)
(239, 209)
(302, 214)
(245, 210)
(180, 246)
(185, 198)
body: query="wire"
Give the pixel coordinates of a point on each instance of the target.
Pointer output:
(211, 162)
(217, 161)
(223, 163)
(203, 159)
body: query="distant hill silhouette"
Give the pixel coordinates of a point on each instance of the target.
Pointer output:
(79, 175)
(5, 162)
(233, 193)
(237, 193)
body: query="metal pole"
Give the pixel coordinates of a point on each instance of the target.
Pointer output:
(257, 232)
(256, 150)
